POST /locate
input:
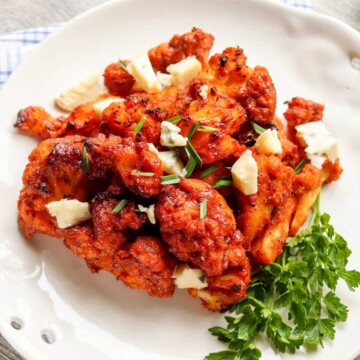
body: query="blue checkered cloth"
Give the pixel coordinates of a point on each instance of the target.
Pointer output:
(15, 46)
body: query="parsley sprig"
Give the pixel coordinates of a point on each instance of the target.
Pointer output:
(301, 284)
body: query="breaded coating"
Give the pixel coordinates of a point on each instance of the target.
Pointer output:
(133, 159)
(82, 121)
(118, 81)
(332, 171)
(266, 248)
(301, 111)
(121, 119)
(253, 89)
(112, 230)
(259, 98)
(229, 69)
(142, 264)
(222, 114)
(195, 43)
(226, 289)
(35, 121)
(127, 158)
(145, 264)
(55, 171)
(207, 243)
(255, 211)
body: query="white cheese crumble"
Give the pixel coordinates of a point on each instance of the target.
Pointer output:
(268, 143)
(172, 164)
(153, 149)
(204, 89)
(170, 135)
(184, 71)
(86, 90)
(101, 105)
(69, 212)
(316, 160)
(166, 80)
(141, 69)
(318, 140)
(244, 173)
(186, 278)
(150, 212)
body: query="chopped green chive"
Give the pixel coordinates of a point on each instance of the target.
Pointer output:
(122, 64)
(169, 179)
(258, 129)
(223, 182)
(85, 160)
(142, 173)
(190, 166)
(208, 171)
(119, 206)
(207, 129)
(139, 125)
(174, 119)
(203, 209)
(300, 166)
(192, 152)
(193, 130)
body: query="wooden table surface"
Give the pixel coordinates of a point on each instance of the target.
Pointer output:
(46, 12)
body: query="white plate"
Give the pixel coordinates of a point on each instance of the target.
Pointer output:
(46, 288)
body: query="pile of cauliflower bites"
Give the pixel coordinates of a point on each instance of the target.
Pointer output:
(180, 175)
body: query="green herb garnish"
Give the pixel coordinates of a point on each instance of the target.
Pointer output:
(301, 284)
(207, 129)
(169, 179)
(191, 152)
(190, 166)
(85, 160)
(193, 130)
(257, 128)
(208, 171)
(139, 125)
(224, 181)
(142, 173)
(122, 64)
(300, 166)
(203, 209)
(119, 206)
(174, 120)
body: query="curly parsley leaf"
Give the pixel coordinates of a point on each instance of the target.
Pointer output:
(301, 284)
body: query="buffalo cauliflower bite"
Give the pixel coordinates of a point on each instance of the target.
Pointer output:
(118, 81)
(256, 213)
(141, 264)
(194, 43)
(35, 121)
(209, 243)
(225, 289)
(128, 158)
(253, 89)
(112, 230)
(55, 171)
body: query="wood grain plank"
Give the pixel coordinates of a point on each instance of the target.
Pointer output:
(7, 352)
